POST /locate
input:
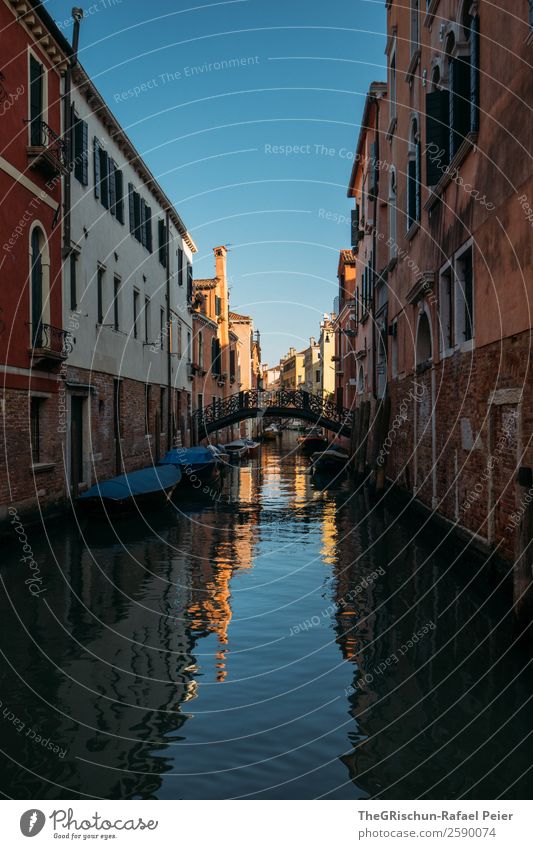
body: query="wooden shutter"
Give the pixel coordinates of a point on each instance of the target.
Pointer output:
(355, 226)
(418, 185)
(459, 102)
(85, 153)
(162, 242)
(112, 186)
(96, 163)
(437, 135)
(474, 74)
(411, 192)
(180, 267)
(373, 175)
(119, 194)
(148, 213)
(131, 194)
(104, 176)
(142, 222)
(189, 282)
(36, 101)
(137, 216)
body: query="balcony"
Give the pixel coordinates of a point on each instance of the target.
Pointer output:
(47, 153)
(190, 370)
(49, 344)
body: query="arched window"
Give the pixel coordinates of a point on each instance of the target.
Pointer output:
(393, 250)
(361, 381)
(414, 186)
(39, 285)
(424, 348)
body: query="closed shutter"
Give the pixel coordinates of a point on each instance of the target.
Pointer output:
(437, 135)
(81, 131)
(104, 177)
(418, 187)
(85, 153)
(36, 101)
(411, 192)
(355, 226)
(137, 216)
(162, 242)
(189, 282)
(459, 102)
(131, 195)
(148, 213)
(142, 222)
(96, 163)
(373, 176)
(111, 181)
(180, 267)
(474, 74)
(119, 194)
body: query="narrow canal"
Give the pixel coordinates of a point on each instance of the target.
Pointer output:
(279, 639)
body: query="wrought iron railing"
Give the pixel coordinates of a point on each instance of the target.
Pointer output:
(51, 340)
(261, 401)
(42, 135)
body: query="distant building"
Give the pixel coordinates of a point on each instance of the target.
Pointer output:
(312, 368)
(326, 344)
(293, 370)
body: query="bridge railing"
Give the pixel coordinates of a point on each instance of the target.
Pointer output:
(259, 402)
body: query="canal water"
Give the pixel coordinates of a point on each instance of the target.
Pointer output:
(281, 638)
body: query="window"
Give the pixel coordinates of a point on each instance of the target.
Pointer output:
(446, 310)
(108, 181)
(180, 267)
(147, 319)
(200, 349)
(218, 305)
(179, 339)
(317, 377)
(437, 130)
(232, 364)
(215, 357)
(35, 429)
(456, 302)
(37, 80)
(135, 313)
(73, 283)
(188, 346)
(147, 403)
(81, 151)
(162, 328)
(415, 26)
(140, 218)
(361, 381)
(38, 288)
(393, 236)
(116, 304)
(414, 187)
(162, 407)
(464, 297)
(394, 349)
(162, 242)
(200, 401)
(424, 350)
(100, 295)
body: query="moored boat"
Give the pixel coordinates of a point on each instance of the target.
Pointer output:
(331, 460)
(312, 440)
(196, 464)
(236, 449)
(151, 487)
(270, 433)
(251, 445)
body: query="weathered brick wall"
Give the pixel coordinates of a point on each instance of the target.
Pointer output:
(478, 444)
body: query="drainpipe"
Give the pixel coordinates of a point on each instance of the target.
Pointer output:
(170, 435)
(77, 15)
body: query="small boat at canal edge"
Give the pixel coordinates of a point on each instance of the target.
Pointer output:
(331, 460)
(251, 445)
(270, 433)
(312, 440)
(196, 464)
(237, 448)
(151, 487)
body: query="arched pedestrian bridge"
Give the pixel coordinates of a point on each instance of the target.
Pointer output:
(283, 404)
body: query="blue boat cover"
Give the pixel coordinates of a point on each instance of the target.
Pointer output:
(154, 479)
(183, 457)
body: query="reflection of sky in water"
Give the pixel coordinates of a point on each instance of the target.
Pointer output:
(222, 651)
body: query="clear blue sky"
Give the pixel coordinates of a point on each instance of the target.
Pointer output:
(210, 135)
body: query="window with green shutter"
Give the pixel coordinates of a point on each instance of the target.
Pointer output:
(81, 151)
(437, 135)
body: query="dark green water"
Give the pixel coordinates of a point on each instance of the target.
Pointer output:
(261, 645)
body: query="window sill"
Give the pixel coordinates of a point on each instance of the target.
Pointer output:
(465, 347)
(37, 468)
(467, 145)
(413, 230)
(413, 64)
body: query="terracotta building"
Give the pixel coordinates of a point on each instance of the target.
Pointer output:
(455, 189)
(33, 338)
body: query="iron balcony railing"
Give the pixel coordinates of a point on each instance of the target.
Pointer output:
(50, 341)
(46, 141)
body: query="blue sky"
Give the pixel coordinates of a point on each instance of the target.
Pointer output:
(219, 138)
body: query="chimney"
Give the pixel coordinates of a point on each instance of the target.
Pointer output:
(220, 261)
(312, 342)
